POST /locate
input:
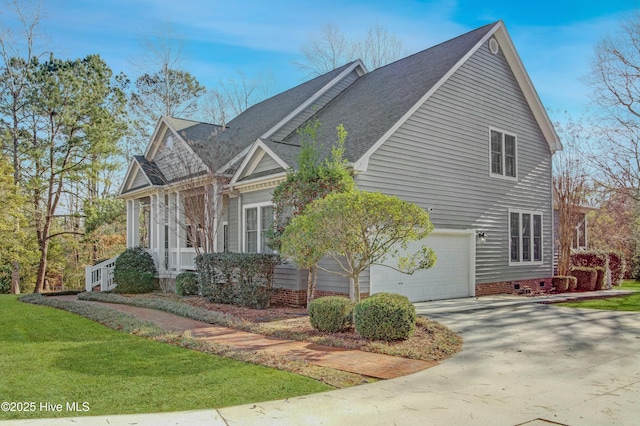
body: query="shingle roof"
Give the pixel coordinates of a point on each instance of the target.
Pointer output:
(216, 146)
(379, 99)
(151, 170)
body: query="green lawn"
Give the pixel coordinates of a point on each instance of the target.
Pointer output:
(630, 285)
(622, 303)
(52, 356)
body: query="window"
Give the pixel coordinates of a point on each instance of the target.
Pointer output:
(503, 154)
(257, 222)
(525, 237)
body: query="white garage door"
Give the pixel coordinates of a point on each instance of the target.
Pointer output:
(452, 276)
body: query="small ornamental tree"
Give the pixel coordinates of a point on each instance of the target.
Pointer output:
(359, 229)
(313, 179)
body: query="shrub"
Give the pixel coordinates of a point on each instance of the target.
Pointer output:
(601, 278)
(237, 278)
(134, 271)
(187, 284)
(563, 283)
(586, 277)
(331, 313)
(385, 316)
(618, 267)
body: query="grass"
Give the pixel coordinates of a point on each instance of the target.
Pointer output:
(51, 356)
(630, 285)
(431, 341)
(629, 302)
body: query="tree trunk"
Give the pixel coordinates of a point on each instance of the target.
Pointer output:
(15, 277)
(42, 267)
(356, 289)
(311, 285)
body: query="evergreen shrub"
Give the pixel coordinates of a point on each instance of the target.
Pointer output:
(134, 271)
(187, 284)
(385, 316)
(331, 314)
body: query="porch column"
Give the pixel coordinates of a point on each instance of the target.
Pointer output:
(216, 215)
(173, 232)
(153, 228)
(179, 230)
(135, 223)
(160, 231)
(129, 223)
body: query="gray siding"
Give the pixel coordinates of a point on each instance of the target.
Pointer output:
(439, 159)
(287, 276)
(140, 180)
(176, 161)
(266, 164)
(307, 113)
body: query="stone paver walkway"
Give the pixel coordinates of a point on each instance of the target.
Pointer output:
(354, 361)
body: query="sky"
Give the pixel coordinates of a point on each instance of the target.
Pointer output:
(555, 39)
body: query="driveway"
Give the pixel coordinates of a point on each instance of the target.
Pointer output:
(522, 364)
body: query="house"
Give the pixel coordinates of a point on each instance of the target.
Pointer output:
(457, 129)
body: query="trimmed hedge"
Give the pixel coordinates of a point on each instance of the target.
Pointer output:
(586, 277)
(134, 271)
(187, 284)
(614, 261)
(601, 278)
(564, 283)
(331, 314)
(385, 316)
(244, 279)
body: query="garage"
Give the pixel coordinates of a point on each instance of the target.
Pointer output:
(453, 275)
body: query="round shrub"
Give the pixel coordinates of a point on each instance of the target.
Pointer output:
(187, 284)
(331, 313)
(134, 271)
(385, 316)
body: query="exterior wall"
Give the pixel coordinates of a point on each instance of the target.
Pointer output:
(299, 297)
(303, 116)
(440, 159)
(287, 276)
(140, 181)
(176, 161)
(266, 163)
(514, 287)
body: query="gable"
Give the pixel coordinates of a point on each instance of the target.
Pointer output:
(139, 180)
(260, 162)
(176, 161)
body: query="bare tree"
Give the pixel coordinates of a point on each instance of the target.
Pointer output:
(379, 47)
(201, 206)
(570, 190)
(235, 95)
(330, 49)
(614, 78)
(325, 51)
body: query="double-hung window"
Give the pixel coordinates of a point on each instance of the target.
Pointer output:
(503, 154)
(257, 222)
(525, 237)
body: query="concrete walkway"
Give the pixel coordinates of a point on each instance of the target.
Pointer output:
(523, 363)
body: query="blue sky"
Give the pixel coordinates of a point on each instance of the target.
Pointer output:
(555, 39)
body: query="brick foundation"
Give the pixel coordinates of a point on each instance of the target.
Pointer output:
(299, 297)
(514, 287)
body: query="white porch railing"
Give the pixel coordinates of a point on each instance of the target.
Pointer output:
(100, 274)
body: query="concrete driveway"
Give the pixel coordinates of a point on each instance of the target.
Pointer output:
(522, 364)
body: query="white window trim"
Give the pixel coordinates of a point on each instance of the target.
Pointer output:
(525, 262)
(503, 176)
(259, 219)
